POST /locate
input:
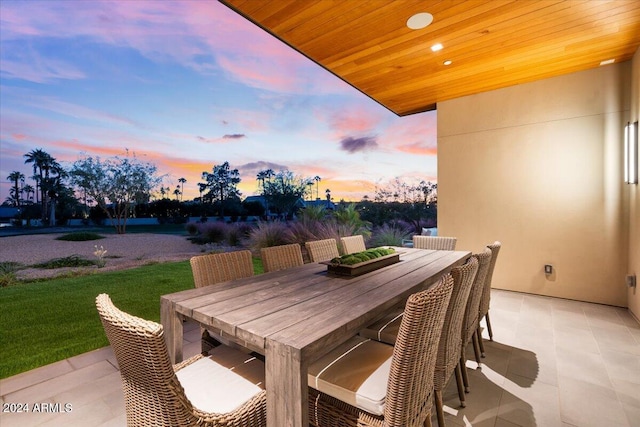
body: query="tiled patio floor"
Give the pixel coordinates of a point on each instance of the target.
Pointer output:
(553, 363)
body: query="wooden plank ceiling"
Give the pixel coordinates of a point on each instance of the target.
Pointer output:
(491, 43)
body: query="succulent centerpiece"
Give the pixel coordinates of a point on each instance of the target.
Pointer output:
(363, 262)
(358, 257)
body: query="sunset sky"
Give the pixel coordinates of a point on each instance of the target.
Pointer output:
(187, 85)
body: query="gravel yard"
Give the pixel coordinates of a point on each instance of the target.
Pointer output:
(123, 251)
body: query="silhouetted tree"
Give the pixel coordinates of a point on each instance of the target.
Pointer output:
(182, 181)
(16, 178)
(283, 192)
(115, 184)
(222, 183)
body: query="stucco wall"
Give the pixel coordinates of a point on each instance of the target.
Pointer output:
(539, 167)
(634, 197)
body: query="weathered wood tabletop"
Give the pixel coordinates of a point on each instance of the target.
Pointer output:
(294, 316)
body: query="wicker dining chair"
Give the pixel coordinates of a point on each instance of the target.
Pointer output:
(224, 389)
(281, 257)
(367, 383)
(210, 269)
(485, 301)
(448, 360)
(469, 332)
(222, 267)
(322, 250)
(441, 243)
(352, 244)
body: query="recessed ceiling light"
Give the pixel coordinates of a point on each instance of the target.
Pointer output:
(447, 62)
(419, 21)
(436, 47)
(607, 62)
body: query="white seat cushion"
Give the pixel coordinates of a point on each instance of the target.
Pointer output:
(223, 381)
(356, 372)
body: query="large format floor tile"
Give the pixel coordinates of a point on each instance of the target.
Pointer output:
(568, 364)
(553, 363)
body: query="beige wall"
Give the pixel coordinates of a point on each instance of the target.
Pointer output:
(634, 197)
(539, 167)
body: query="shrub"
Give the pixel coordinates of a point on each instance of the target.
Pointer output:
(68, 261)
(8, 273)
(312, 213)
(333, 230)
(244, 229)
(299, 232)
(80, 236)
(214, 232)
(7, 279)
(389, 235)
(268, 234)
(192, 228)
(349, 216)
(234, 235)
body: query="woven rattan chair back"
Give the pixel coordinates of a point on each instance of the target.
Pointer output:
(470, 322)
(469, 332)
(440, 243)
(450, 347)
(408, 401)
(352, 244)
(486, 292)
(215, 268)
(153, 394)
(451, 340)
(322, 250)
(281, 257)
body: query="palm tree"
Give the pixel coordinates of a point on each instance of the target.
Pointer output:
(28, 189)
(16, 178)
(43, 165)
(260, 177)
(310, 185)
(182, 181)
(201, 187)
(317, 179)
(176, 192)
(263, 176)
(269, 173)
(37, 157)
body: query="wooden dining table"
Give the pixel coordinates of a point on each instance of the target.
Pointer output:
(295, 316)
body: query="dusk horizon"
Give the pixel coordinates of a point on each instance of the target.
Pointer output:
(188, 85)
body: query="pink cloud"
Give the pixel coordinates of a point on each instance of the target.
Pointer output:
(36, 68)
(77, 111)
(205, 36)
(413, 134)
(77, 147)
(351, 121)
(419, 149)
(245, 120)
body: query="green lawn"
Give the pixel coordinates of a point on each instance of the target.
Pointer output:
(43, 322)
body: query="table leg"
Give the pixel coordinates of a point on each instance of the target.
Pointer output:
(173, 329)
(286, 384)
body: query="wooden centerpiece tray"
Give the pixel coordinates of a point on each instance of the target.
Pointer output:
(360, 268)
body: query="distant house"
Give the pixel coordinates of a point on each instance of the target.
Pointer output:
(327, 204)
(263, 203)
(300, 204)
(8, 213)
